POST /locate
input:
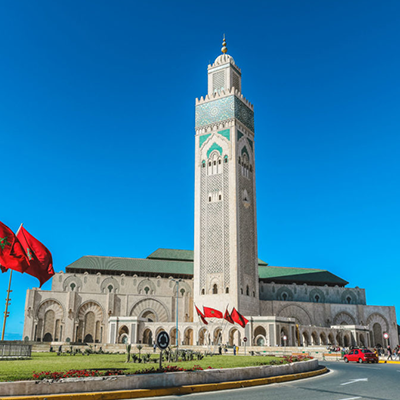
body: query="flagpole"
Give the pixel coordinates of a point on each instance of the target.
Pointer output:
(8, 297)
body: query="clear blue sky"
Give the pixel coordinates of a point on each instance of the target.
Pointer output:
(97, 129)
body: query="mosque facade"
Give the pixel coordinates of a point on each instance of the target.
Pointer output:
(130, 300)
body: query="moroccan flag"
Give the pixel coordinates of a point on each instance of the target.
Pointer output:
(238, 318)
(201, 316)
(228, 317)
(12, 255)
(212, 313)
(39, 257)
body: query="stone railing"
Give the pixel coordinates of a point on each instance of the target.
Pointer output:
(14, 349)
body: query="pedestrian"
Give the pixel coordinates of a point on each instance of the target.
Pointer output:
(220, 350)
(154, 347)
(389, 350)
(234, 350)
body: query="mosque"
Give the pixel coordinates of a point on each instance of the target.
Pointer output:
(130, 300)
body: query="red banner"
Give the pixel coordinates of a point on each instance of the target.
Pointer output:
(212, 313)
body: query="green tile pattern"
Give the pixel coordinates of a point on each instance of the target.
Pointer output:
(213, 147)
(203, 138)
(226, 133)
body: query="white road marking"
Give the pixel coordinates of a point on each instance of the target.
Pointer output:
(368, 367)
(352, 398)
(354, 381)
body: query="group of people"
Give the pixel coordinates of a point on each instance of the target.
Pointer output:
(393, 354)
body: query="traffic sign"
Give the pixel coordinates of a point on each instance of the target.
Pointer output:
(245, 339)
(163, 340)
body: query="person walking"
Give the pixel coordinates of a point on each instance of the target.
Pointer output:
(389, 350)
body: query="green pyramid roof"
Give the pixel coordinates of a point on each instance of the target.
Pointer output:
(173, 262)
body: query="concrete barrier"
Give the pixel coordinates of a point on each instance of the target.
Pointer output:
(152, 381)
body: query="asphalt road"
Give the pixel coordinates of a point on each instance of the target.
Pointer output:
(344, 382)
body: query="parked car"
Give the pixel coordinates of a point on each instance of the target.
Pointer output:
(361, 356)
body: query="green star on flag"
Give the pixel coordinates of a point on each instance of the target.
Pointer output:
(29, 253)
(4, 242)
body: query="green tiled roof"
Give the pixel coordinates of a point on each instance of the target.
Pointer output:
(179, 255)
(138, 265)
(301, 275)
(180, 262)
(172, 254)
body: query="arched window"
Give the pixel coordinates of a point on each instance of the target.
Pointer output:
(348, 298)
(316, 298)
(215, 289)
(203, 164)
(72, 286)
(247, 291)
(284, 296)
(227, 290)
(182, 291)
(147, 290)
(202, 291)
(225, 159)
(110, 288)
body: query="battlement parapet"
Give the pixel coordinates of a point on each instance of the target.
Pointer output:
(222, 94)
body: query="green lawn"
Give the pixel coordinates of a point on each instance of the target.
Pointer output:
(22, 369)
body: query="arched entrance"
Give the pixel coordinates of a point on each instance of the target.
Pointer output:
(188, 337)
(362, 340)
(306, 339)
(234, 337)
(147, 337)
(378, 335)
(346, 341)
(322, 338)
(284, 333)
(217, 337)
(173, 337)
(47, 337)
(88, 338)
(123, 334)
(339, 340)
(203, 337)
(150, 316)
(331, 339)
(314, 339)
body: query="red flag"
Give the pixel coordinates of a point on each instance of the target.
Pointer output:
(212, 313)
(238, 318)
(39, 257)
(201, 316)
(227, 316)
(12, 254)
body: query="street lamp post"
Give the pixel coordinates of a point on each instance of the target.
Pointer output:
(177, 297)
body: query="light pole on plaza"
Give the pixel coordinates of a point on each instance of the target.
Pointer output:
(177, 297)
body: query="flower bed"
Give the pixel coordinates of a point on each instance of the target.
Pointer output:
(75, 373)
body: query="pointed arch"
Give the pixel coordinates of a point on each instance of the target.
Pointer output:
(159, 310)
(344, 318)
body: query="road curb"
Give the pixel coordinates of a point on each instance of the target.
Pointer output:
(388, 362)
(180, 390)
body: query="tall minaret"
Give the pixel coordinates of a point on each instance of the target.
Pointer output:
(225, 248)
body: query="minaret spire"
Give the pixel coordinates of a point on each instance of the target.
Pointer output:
(224, 48)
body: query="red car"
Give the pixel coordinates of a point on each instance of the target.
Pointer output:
(361, 355)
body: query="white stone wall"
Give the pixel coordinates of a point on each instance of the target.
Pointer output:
(308, 293)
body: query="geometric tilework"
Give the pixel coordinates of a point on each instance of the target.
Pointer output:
(203, 138)
(224, 109)
(239, 135)
(213, 147)
(226, 133)
(250, 143)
